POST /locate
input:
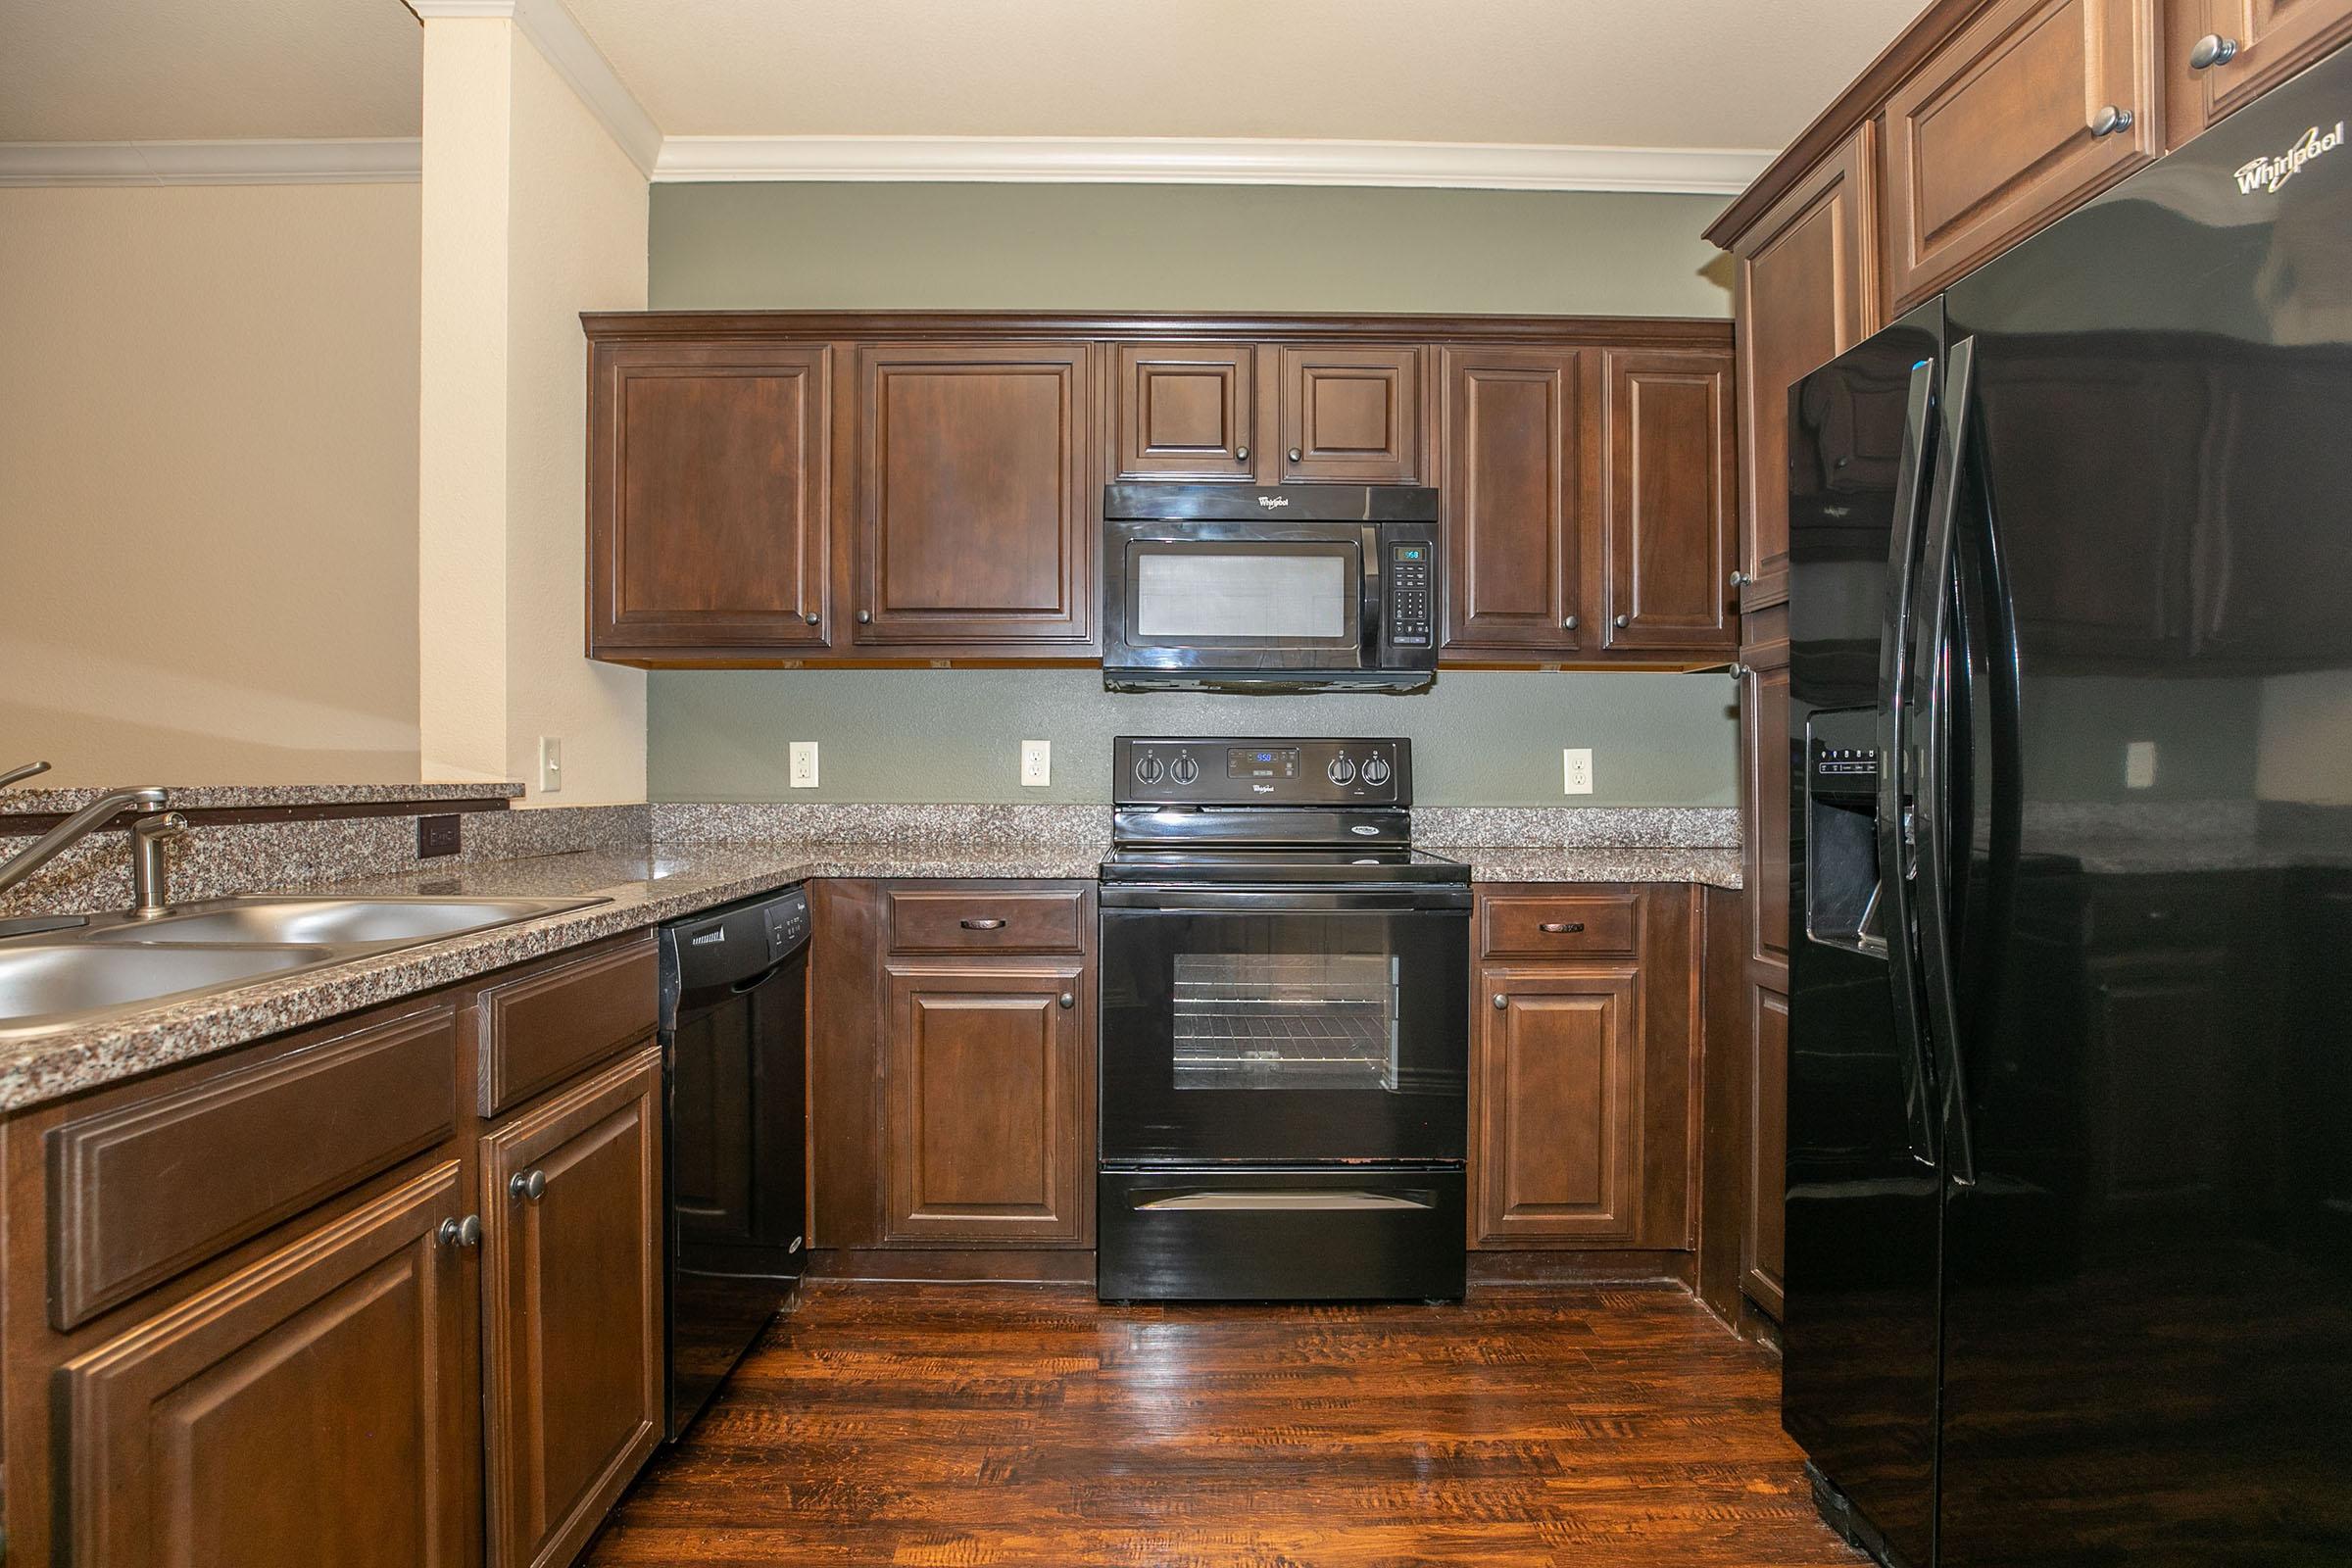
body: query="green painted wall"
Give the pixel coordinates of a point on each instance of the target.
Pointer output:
(954, 735)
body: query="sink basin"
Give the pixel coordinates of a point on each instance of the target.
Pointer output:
(337, 922)
(41, 983)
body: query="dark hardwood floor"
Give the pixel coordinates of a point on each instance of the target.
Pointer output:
(961, 1425)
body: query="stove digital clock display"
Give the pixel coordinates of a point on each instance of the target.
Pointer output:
(1247, 761)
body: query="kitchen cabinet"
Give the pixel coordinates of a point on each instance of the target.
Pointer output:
(1351, 415)
(315, 1405)
(573, 1321)
(1521, 494)
(708, 497)
(2016, 118)
(988, 1111)
(1764, 1235)
(1184, 411)
(1582, 1056)
(1768, 768)
(975, 522)
(1805, 289)
(2221, 55)
(1671, 533)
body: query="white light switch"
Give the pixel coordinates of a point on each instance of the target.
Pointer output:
(1037, 762)
(2139, 765)
(1576, 769)
(551, 764)
(804, 764)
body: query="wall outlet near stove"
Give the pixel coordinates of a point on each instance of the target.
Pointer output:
(1037, 762)
(1576, 770)
(2140, 765)
(437, 835)
(803, 765)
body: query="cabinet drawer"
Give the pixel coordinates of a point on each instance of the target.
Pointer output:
(1029, 920)
(541, 1028)
(266, 1142)
(1582, 925)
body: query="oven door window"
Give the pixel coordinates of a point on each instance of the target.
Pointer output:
(1287, 1036)
(1224, 594)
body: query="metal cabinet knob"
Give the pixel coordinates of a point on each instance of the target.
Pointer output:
(1068, 1000)
(1241, 454)
(467, 1232)
(1568, 623)
(1297, 455)
(529, 1184)
(1737, 671)
(1623, 621)
(980, 925)
(2212, 50)
(1500, 1001)
(865, 617)
(1738, 579)
(2110, 119)
(809, 617)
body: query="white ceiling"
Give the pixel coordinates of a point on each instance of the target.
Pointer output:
(1667, 73)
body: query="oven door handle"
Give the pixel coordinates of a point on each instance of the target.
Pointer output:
(1272, 1200)
(1286, 899)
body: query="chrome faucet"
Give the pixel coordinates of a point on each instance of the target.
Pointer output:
(80, 825)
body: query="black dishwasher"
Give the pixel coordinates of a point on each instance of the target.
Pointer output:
(734, 1015)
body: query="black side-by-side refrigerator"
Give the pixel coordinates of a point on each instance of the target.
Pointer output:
(2069, 1200)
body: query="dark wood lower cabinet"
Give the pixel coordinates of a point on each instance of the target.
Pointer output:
(572, 1337)
(1764, 1242)
(316, 1406)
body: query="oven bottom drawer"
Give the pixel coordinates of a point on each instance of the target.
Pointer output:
(1329, 1234)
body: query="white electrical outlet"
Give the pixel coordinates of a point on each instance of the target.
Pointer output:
(2139, 765)
(1037, 762)
(804, 764)
(551, 764)
(1576, 769)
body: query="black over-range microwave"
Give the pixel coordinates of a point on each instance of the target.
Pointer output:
(1292, 588)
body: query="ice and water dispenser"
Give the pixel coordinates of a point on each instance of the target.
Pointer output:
(1842, 903)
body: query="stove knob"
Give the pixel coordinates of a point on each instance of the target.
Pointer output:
(1376, 770)
(1149, 769)
(1341, 770)
(1185, 769)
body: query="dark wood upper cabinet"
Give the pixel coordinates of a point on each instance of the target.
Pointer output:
(1806, 291)
(990, 1118)
(1670, 523)
(975, 519)
(2263, 44)
(316, 1406)
(572, 1325)
(1520, 483)
(1351, 415)
(1767, 770)
(1184, 411)
(2016, 118)
(709, 496)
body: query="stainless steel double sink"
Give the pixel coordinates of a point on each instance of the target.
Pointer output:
(89, 969)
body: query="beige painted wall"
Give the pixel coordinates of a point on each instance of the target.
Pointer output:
(208, 483)
(532, 213)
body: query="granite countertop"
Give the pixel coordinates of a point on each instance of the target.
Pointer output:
(1712, 865)
(641, 888)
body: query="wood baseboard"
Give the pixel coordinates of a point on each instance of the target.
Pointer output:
(973, 1265)
(1609, 1266)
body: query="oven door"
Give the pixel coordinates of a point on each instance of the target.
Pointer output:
(1284, 1025)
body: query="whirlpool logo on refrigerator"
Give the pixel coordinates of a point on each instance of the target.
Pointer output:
(2266, 172)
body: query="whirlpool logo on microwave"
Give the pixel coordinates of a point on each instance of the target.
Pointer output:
(2267, 172)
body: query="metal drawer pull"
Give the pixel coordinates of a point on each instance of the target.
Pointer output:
(1556, 927)
(1273, 1201)
(467, 1232)
(980, 925)
(529, 1184)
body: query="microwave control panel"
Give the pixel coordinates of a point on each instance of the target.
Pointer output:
(1224, 771)
(1408, 594)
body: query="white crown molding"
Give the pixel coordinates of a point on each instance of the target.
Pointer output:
(1207, 160)
(364, 161)
(576, 59)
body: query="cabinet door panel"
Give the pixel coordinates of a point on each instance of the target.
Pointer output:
(1184, 411)
(710, 476)
(1807, 291)
(1766, 768)
(1669, 483)
(2274, 39)
(1765, 1239)
(1559, 1120)
(573, 1333)
(989, 1123)
(317, 1406)
(1519, 476)
(1351, 416)
(1992, 139)
(974, 523)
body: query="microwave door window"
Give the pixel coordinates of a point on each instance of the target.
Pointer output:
(1209, 597)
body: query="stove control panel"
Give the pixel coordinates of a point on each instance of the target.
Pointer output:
(1229, 770)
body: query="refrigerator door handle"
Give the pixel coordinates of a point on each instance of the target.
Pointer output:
(1895, 839)
(1933, 638)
